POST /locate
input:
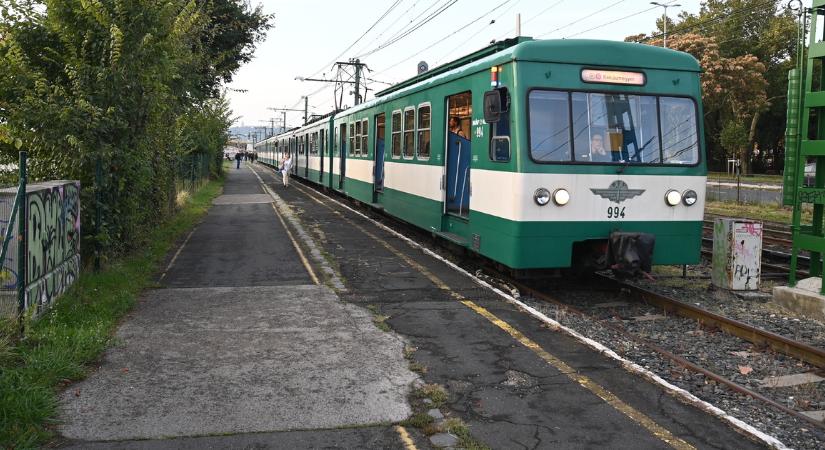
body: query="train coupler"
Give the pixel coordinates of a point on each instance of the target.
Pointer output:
(630, 254)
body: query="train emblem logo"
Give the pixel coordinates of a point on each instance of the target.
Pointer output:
(617, 192)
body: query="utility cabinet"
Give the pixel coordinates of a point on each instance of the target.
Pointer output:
(737, 254)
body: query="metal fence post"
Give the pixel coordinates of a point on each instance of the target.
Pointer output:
(98, 214)
(22, 241)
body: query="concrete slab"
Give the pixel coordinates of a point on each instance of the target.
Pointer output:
(350, 438)
(241, 199)
(816, 415)
(231, 360)
(791, 380)
(238, 245)
(803, 299)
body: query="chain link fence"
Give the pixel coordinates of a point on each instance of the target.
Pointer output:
(192, 171)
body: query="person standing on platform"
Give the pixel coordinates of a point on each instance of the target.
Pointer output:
(286, 164)
(238, 160)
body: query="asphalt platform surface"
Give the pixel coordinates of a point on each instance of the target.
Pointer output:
(241, 350)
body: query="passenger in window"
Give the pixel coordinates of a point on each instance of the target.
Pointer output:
(597, 150)
(455, 126)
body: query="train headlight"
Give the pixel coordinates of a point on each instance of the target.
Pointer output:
(689, 197)
(541, 196)
(561, 197)
(673, 197)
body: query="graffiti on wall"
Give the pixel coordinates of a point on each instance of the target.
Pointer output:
(53, 257)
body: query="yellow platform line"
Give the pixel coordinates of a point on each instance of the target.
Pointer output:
(405, 438)
(611, 399)
(298, 249)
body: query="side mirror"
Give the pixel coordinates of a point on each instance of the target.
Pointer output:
(496, 103)
(492, 106)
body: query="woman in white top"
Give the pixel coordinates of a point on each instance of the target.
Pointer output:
(286, 164)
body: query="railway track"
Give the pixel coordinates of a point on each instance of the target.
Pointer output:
(758, 337)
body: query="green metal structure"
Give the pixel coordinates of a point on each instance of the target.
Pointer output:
(805, 140)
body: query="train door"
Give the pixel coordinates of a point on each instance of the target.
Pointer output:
(458, 157)
(342, 145)
(307, 139)
(378, 181)
(321, 148)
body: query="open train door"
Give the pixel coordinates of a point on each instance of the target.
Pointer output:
(455, 222)
(378, 176)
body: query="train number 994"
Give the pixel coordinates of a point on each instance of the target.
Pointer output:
(615, 212)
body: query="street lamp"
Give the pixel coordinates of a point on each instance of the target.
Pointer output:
(664, 19)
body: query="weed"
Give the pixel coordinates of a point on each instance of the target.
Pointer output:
(418, 420)
(379, 319)
(458, 429)
(433, 392)
(418, 367)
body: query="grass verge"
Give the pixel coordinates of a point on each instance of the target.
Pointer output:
(766, 212)
(60, 346)
(758, 178)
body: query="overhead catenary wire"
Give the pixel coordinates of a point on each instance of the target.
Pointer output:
(612, 22)
(413, 29)
(444, 38)
(472, 36)
(570, 24)
(531, 18)
(388, 11)
(390, 26)
(716, 18)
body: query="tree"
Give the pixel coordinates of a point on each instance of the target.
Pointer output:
(742, 29)
(732, 87)
(129, 86)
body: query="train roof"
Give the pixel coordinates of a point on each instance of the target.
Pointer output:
(568, 51)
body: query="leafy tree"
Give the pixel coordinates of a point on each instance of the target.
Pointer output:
(762, 29)
(114, 92)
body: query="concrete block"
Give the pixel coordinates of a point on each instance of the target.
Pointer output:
(803, 299)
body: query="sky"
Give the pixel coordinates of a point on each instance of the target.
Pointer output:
(309, 35)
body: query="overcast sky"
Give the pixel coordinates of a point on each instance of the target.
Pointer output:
(309, 35)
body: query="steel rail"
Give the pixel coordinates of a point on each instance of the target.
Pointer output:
(795, 349)
(679, 360)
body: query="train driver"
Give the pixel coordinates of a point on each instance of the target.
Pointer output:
(597, 151)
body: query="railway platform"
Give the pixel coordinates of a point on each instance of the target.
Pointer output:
(288, 320)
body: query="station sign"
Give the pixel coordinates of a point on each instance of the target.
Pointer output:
(613, 77)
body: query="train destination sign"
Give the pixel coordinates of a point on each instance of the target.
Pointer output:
(613, 77)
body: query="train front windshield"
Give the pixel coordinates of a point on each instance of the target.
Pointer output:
(602, 128)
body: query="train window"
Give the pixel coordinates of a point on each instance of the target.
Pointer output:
(500, 148)
(615, 128)
(423, 144)
(351, 139)
(549, 126)
(343, 142)
(364, 136)
(500, 139)
(357, 138)
(680, 143)
(409, 133)
(396, 134)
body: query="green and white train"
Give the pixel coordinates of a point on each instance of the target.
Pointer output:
(535, 154)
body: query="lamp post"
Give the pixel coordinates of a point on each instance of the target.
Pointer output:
(664, 19)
